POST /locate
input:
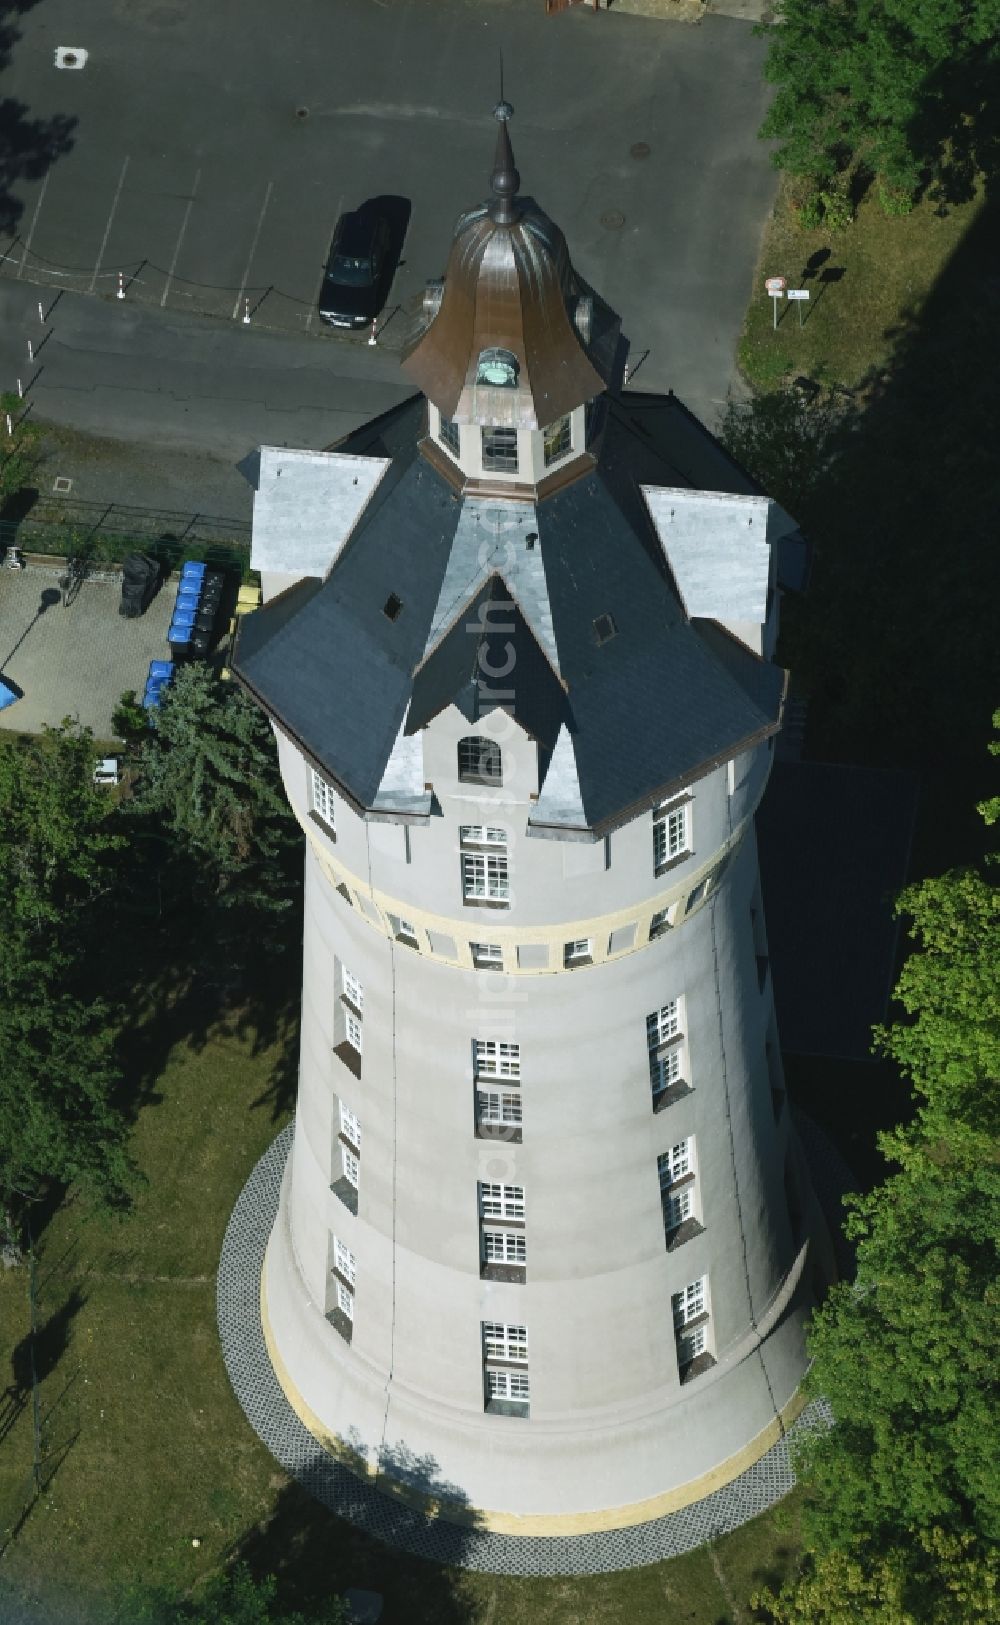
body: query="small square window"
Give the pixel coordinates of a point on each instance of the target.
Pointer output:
(450, 435)
(500, 450)
(579, 952)
(351, 1166)
(486, 955)
(662, 921)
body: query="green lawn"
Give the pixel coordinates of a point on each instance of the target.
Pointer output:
(145, 1447)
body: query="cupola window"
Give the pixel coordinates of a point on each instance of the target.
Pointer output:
(557, 440)
(499, 450)
(497, 368)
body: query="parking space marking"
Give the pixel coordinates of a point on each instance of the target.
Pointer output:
(180, 237)
(107, 229)
(34, 222)
(322, 276)
(253, 246)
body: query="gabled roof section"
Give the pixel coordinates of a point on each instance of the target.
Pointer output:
(305, 506)
(490, 659)
(497, 538)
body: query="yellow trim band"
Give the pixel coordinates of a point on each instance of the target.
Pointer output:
(531, 1525)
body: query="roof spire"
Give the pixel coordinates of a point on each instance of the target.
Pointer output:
(505, 180)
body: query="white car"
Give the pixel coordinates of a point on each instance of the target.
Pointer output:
(108, 770)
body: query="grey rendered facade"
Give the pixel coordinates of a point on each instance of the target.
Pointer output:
(545, 1233)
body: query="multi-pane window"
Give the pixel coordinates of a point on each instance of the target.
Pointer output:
(690, 1303)
(676, 1163)
(345, 1262)
(351, 1165)
(345, 1300)
(579, 951)
(505, 1247)
(557, 440)
(353, 1030)
(508, 1385)
(353, 989)
(322, 799)
(663, 1024)
(496, 1107)
(671, 832)
(503, 1342)
(661, 921)
(485, 872)
(404, 930)
(499, 1201)
(486, 955)
(350, 1127)
(479, 761)
(500, 450)
(664, 1070)
(495, 1059)
(678, 1206)
(690, 1343)
(451, 435)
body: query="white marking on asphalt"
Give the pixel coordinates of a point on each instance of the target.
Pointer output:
(34, 222)
(253, 246)
(322, 278)
(107, 229)
(180, 238)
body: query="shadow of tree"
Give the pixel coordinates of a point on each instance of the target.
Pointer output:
(28, 146)
(50, 1343)
(313, 1553)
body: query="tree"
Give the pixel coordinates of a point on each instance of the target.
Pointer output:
(905, 1502)
(902, 89)
(57, 1032)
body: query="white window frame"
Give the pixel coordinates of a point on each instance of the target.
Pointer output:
(345, 1300)
(350, 1127)
(353, 1030)
(495, 1108)
(665, 1025)
(578, 951)
(691, 1342)
(665, 1070)
(557, 440)
(495, 1058)
(485, 877)
(690, 1302)
(500, 1201)
(321, 799)
(509, 1385)
(505, 1247)
(352, 989)
(504, 1341)
(351, 1165)
(671, 832)
(405, 930)
(482, 835)
(662, 920)
(345, 1261)
(676, 1163)
(486, 955)
(678, 1207)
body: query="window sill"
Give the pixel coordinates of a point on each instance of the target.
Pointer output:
(340, 1276)
(341, 1323)
(487, 964)
(350, 1056)
(484, 784)
(677, 1184)
(670, 1097)
(516, 1274)
(342, 1137)
(575, 964)
(328, 829)
(508, 1407)
(511, 1132)
(674, 863)
(486, 902)
(505, 1224)
(347, 1193)
(697, 1367)
(684, 1232)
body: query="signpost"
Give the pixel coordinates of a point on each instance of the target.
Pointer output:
(776, 286)
(801, 294)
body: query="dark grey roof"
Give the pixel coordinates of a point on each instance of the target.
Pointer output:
(645, 709)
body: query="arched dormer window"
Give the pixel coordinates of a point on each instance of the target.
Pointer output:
(479, 761)
(497, 368)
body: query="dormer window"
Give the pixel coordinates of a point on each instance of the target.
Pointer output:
(500, 450)
(557, 440)
(450, 435)
(497, 368)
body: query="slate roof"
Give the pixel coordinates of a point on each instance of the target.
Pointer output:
(644, 711)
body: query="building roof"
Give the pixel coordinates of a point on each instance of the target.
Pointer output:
(640, 703)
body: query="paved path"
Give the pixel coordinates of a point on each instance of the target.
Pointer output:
(178, 156)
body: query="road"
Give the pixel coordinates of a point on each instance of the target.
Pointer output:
(205, 153)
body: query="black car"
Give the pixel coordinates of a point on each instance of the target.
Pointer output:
(353, 289)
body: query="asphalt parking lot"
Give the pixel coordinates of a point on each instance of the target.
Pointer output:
(210, 148)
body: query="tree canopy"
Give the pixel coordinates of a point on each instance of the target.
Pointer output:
(905, 1500)
(905, 89)
(57, 1034)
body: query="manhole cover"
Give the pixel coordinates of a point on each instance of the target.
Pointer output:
(640, 149)
(61, 485)
(302, 112)
(613, 219)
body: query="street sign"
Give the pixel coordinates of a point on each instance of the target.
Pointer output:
(802, 294)
(775, 286)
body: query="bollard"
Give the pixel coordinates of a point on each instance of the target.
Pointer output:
(371, 337)
(625, 377)
(246, 313)
(20, 390)
(121, 285)
(31, 353)
(10, 427)
(41, 313)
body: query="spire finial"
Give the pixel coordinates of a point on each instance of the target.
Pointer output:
(505, 180)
